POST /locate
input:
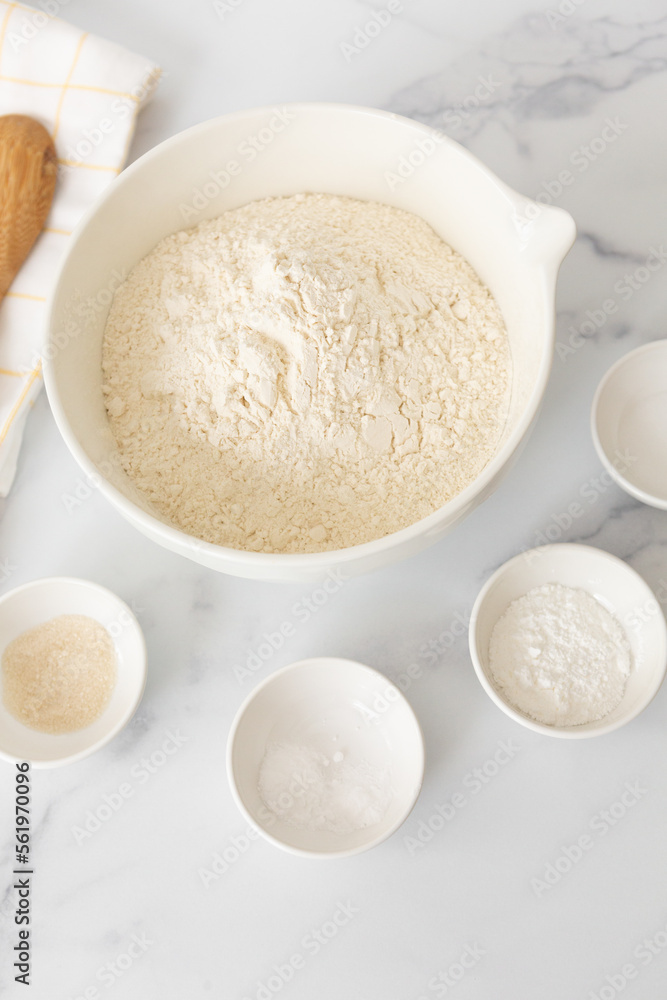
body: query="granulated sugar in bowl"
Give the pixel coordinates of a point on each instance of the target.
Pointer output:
(431, 429)
(58, 676)
(73, 670)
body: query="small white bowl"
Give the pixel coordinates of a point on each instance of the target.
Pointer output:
(37, 602)
(330, 704)
(616, 586)
(629, 423)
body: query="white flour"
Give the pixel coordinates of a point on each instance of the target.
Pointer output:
(312, 791)
(304, 374)
(559, 656)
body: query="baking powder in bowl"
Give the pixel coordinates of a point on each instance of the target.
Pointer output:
(304, 374)
(559, 656)
(312, 790)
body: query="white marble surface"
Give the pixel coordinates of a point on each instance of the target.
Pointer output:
(414, 913)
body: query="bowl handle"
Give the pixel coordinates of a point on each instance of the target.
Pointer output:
(546, 233)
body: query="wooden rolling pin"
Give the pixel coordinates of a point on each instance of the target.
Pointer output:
(28, 169)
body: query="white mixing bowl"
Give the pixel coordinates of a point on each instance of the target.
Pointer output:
(515, 245)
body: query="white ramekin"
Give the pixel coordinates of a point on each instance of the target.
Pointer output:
(628, 423)
(333, 704)
(39, 601)
(617, 586)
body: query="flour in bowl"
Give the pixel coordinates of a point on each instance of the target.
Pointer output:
(559, 656)
(304, 374)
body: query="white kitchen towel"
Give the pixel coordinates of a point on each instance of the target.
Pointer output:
(87, 92)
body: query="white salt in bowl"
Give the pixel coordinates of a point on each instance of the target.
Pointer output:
(629, 423)
(515, 245)
(37, 602)
(332, 706)
(616, 586)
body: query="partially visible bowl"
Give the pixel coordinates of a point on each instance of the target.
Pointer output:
(37, 602)
(616, 586)
(515, 245)
(629, 423)
(330, 705)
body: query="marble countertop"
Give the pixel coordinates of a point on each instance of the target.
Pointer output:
(167, 897)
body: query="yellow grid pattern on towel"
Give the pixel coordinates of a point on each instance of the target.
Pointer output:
(66, 83)
(5, 22)
(6, 10)
(35, 373)
(8, 371)
(71, 86)
(89, 166)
